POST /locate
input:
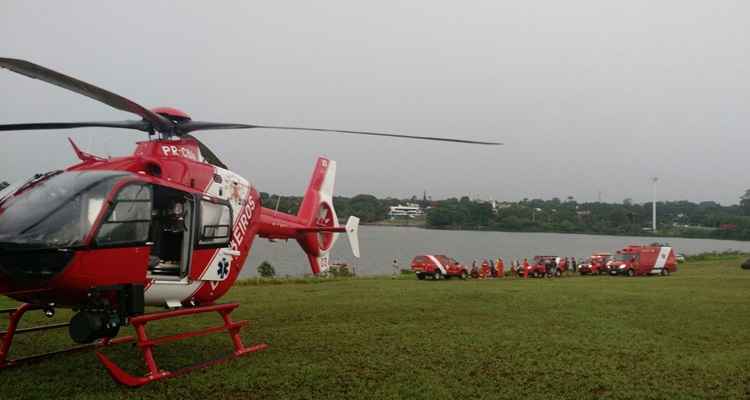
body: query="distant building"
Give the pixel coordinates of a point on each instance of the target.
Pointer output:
(410, 210)
(500, 205)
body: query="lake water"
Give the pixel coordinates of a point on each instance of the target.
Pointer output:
(379, 245)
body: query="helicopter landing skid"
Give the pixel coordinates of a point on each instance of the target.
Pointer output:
(15, 315)
(147, 344)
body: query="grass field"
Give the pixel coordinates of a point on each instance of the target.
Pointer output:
(683, 336)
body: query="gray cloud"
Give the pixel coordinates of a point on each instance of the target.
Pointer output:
(589, 96)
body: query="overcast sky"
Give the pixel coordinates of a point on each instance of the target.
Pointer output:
(588, 96)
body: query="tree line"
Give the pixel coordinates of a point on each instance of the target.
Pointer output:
(707, 219)
(365, 206)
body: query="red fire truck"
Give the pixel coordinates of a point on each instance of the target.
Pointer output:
(438, 267)
(540, 265)
(536, 269)
(597, 264)
(644, 260)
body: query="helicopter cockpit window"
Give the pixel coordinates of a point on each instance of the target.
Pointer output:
(216, 222)
(55, 210)
(129, 217)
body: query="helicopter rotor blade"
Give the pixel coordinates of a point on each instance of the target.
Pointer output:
(207, 154)
(35, 71)
(191, 126)
(130, 124)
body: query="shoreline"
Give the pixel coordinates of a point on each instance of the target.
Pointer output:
(461, 229)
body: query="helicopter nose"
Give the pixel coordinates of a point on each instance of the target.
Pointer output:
(22, 270)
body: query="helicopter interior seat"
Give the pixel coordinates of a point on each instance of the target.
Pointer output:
(170, 233)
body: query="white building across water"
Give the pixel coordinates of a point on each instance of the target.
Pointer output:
(409, 210)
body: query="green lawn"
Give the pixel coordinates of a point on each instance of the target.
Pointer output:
(683, 336)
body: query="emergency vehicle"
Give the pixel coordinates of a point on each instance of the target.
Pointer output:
(533, 269)
(437, 267)
(597, 264)
(644, 260)
(540, 265)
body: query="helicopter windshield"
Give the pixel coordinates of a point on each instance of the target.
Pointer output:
(20, 185)
(55, 212)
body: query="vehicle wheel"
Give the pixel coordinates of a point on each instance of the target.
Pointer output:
(631, 273)
(558, 273)
(464, 275)
(420, 277)
(437, 276)
(664, 271)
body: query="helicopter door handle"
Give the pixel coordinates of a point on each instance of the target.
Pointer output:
(233, 253)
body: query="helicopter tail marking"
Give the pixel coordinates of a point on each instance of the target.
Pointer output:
(315, 227)
(317, 211)
(319, 216)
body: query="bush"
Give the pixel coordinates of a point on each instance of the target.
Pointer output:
(340, 271)
(266, 270)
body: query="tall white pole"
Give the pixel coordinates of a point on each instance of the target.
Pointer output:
(653, 205)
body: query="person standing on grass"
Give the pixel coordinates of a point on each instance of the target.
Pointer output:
(525, 268)
(484, 270)
(394, 267)
(474, 270)
(499, 268)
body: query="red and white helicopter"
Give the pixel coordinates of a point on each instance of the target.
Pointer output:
(169, 226)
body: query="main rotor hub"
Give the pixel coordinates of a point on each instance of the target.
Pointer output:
(172, 114)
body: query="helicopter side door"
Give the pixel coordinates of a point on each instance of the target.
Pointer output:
(119, 251)
(213, 255)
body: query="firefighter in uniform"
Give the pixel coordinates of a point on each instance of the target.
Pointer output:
(499, 268)
(485, 271)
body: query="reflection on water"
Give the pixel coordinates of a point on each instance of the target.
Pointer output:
(381, 244)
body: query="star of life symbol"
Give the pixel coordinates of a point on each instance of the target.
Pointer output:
(223, 270)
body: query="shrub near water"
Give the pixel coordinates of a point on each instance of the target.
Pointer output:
(266, 270)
